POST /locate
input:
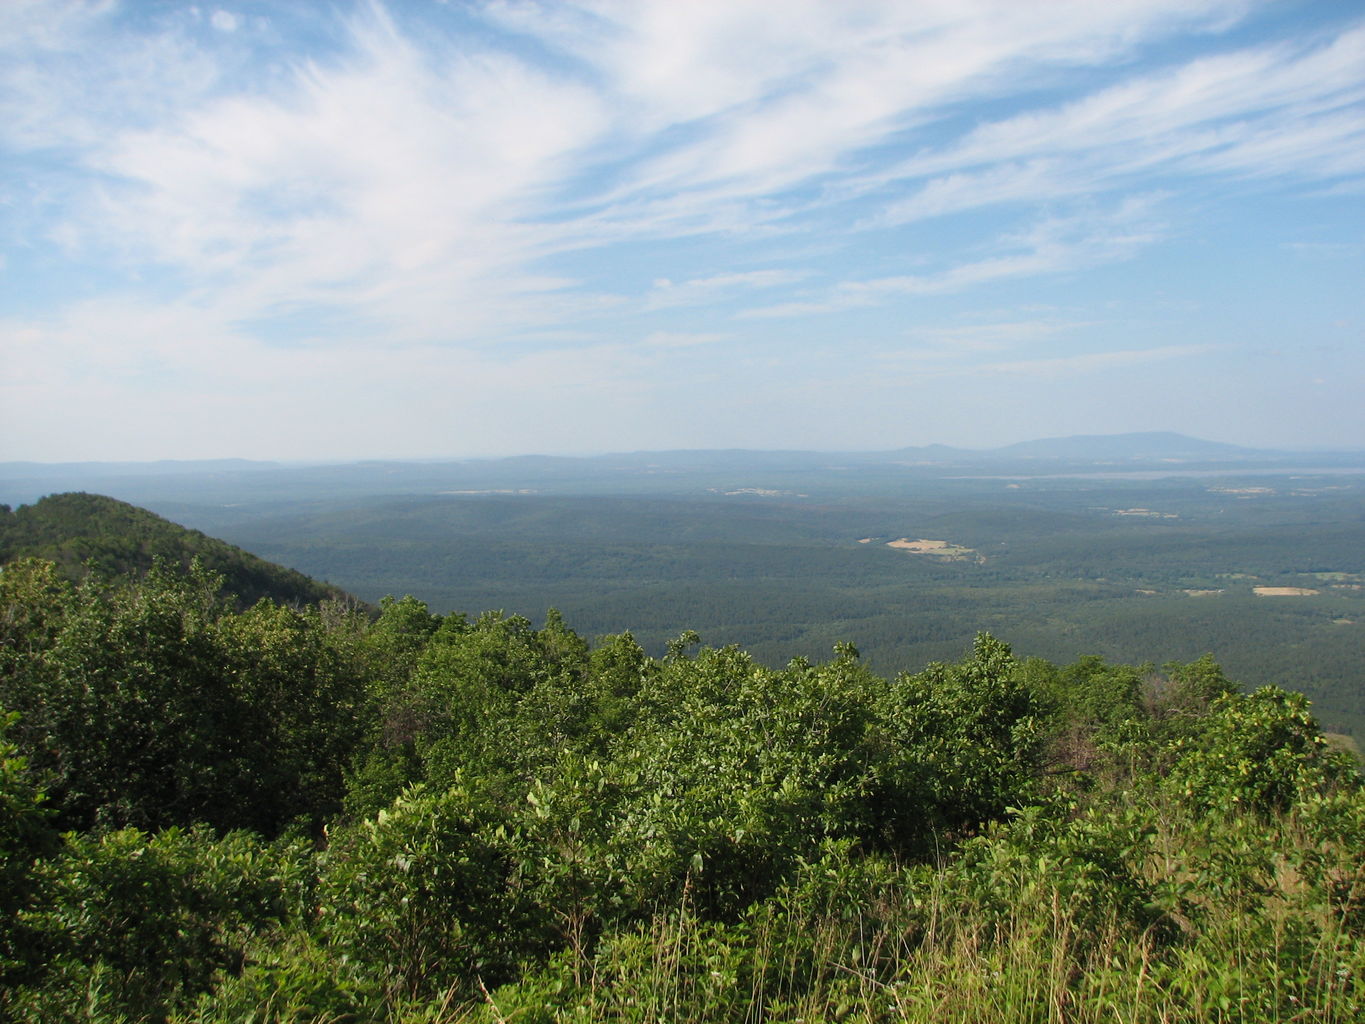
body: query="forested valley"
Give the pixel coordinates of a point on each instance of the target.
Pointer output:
(217, 806)
(1138, 548)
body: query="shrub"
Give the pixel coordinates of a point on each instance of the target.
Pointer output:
(141, 924)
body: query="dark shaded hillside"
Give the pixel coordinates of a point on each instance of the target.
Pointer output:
(76, 530)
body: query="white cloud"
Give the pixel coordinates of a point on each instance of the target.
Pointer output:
(1030, 181)
(666, 294)
(678, 339)
(772, 101)
(223, 21)
(1273, 110)
(1090, 362)
(408, 171)
(1049, 246)
(354, 189)
(392, 189)
(987, 337)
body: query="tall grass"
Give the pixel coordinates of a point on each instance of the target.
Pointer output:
(1251, 922)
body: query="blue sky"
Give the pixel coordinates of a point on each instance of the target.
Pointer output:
(350, 230)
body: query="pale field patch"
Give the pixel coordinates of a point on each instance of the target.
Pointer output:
(943, 549)
(1285, 591)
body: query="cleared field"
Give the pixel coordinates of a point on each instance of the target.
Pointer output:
(943, 549)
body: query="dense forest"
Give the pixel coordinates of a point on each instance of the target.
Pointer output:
(85, 533)
(1138, 548)
(1135, 571)
(213, 811)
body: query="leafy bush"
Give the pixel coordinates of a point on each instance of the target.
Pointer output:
(963, 743)
(423, 897)
(538, 831)
(1261, 752)
(139, 925)
(152, 704)
(25, 836)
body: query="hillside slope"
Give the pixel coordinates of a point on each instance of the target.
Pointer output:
(78, 529)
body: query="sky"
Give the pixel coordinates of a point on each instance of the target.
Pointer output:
(350, 230)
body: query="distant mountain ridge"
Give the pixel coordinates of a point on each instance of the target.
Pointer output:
(1150, 445)
(1136, 445)
(183, 489)
(75, 529)
(160, 467)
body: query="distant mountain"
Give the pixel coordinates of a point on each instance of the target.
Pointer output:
(163, 467)
(75, 529)
(1153, 446)
(931, 453)
(212, 494)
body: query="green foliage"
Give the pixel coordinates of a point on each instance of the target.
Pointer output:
(135, 925)
(1085, 867)
(25, 836)
(85, 532)
(737, 772)
(510, 824)
(304, 708)
(152, 703)
(397, 638)
(114, 724)
(1100, 696)
(422, 897)
(495, 697)
(1260, 752)
(964, 742)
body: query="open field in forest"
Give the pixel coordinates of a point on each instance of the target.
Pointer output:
(942, 549)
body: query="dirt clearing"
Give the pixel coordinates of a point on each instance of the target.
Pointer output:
(943, 549)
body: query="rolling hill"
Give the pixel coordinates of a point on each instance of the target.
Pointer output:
(79, 531)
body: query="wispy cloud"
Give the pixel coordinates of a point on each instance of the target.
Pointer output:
(678, 339)
(400, 175)
(1049, 246)
(1278, 110)
(193, 192)
(224, 21)
(1090, 362)
(666, 294)
(998, 336)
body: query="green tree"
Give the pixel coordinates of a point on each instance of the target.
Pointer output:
(962, 743)
(151, 703)
(1260, 752)
(26, 835)
(134, 926)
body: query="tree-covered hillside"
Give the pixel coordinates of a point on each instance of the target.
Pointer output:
(306, 815)
(83, 531)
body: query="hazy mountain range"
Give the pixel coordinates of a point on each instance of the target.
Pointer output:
(227, 480)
